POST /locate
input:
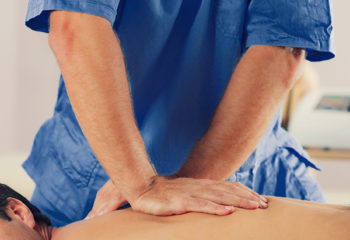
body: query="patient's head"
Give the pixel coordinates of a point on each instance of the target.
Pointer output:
(19, 219)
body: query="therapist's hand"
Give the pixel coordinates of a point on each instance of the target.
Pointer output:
(108, 199)
(167, 196)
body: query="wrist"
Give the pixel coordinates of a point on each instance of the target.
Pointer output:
(138, 190)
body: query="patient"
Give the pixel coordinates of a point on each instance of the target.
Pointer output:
(284, 219)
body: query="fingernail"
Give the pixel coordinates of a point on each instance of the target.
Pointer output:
(87, 218)
(229, 208)
(263, 198)
(263, 204)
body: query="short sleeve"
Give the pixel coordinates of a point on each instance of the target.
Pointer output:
(38, 11)
(298, 23)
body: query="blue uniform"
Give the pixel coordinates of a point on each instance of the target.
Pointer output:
(179, 56)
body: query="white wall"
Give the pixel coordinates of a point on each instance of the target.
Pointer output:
(29, 79)
(8, 52)
(336, 73)
(334, 178)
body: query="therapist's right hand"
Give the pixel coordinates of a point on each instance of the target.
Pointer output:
(165, 196)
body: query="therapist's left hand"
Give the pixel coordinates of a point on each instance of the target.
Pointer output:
(108, 199)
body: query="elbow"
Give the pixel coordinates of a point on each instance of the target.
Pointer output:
(281, 66)
(291, 66)
(59, 40)
(72, 32)
(60, 45)
(61, 36)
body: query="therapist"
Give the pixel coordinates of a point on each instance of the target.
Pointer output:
(161, 101)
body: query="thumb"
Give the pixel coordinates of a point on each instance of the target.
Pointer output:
(108, 199)
(106, 207)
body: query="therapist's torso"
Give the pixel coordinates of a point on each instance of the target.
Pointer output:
(179, 57)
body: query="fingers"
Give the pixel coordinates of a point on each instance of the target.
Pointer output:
(181, 195)
(229, 193)
(103, 207)
(227, 198)
(181, 204)
(237, 184)
(246, 193)
(205, 206)
(108, 199)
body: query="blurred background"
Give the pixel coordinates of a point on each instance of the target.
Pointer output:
(28, 91)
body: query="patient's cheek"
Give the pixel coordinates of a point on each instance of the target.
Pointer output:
(16, 231)
(7, 233)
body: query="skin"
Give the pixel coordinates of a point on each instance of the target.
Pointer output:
(90, 58)
(261, 81)
(285, 219)
(22, 224)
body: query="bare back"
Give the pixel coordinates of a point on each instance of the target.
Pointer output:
(284, 219)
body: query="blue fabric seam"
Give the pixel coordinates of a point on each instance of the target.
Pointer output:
(90, 174)
(307, 162)
(291, 171)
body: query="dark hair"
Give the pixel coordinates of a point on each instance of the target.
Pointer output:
(7, 192)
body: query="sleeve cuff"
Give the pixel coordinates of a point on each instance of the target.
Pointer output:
(38, 13)
(315, 51)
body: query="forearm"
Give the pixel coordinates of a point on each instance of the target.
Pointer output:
(256, 89)
(91, 61)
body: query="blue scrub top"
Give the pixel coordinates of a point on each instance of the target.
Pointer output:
(179, 58)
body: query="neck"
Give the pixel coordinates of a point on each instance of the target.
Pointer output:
(45, 231)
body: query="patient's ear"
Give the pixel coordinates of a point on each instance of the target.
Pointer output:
(17, 210)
